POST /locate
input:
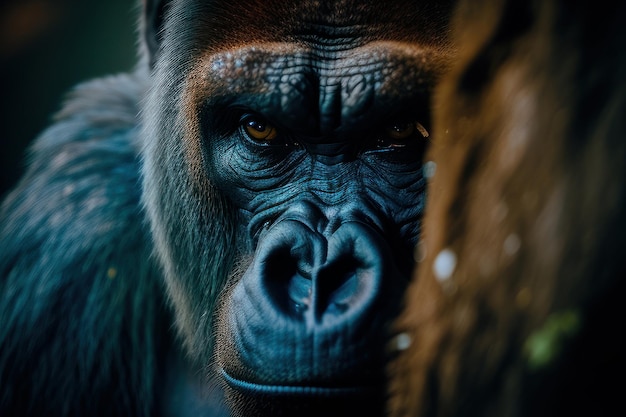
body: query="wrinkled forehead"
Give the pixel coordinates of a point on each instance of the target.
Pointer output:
(344, 61)
(339, 91)
(223, 24)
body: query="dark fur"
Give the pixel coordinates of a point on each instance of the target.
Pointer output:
(80, 343)
(529, 194)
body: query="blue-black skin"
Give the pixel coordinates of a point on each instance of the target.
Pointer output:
(154, 251)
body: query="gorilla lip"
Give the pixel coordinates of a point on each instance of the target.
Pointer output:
(291, 390)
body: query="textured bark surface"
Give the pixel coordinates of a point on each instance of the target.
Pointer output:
(515, 308)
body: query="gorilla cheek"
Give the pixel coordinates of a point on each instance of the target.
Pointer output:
(328, 300)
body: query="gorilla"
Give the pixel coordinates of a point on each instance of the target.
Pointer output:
(515, 309)
(232, 222)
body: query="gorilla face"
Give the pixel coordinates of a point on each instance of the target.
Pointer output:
(324, 172)
(299, 130)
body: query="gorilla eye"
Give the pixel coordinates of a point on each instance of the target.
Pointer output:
(400, 131)
(258, 129)
(397, 135)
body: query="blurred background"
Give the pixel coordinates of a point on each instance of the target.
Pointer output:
(46, 47)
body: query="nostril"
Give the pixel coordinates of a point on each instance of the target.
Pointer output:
(300, 291)
(340, 300)
(284, 266)
(287, 280)
(337, 287)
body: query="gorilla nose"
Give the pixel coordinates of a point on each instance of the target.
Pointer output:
(324, 280)
(319, 281)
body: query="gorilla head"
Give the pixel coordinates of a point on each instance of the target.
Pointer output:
(283, 181)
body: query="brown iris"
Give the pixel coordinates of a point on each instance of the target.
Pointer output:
(400, 135)
(400, 131)
(259, 129)
(403, 131)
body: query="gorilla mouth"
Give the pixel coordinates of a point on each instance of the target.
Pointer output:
(252, 399)
(297, 390)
